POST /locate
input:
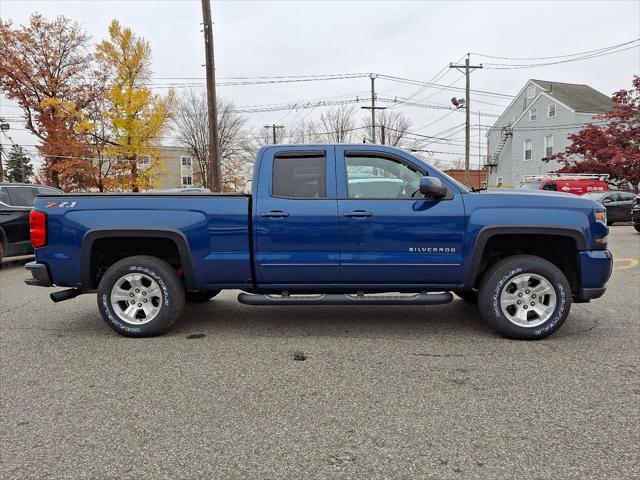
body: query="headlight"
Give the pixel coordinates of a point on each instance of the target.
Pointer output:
(601, 216)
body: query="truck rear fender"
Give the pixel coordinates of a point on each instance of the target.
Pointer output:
(88, 270)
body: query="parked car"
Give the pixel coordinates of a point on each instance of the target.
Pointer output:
(635, 213)
(617, 203)
(325, 225)
(16, 201)
(578, 184)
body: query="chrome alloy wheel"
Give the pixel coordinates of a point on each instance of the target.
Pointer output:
(136, 298)
(528, 300)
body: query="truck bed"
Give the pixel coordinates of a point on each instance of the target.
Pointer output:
(214, 234)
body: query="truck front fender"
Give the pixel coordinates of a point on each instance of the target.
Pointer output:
(483, 236)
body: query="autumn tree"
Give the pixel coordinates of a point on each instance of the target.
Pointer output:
(18, 164)
(234, 147)
(137, 116)
(612, 148)
(46, 68)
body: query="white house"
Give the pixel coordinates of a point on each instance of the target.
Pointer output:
(536, 125)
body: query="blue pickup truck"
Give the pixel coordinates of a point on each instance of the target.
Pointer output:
(327, 225)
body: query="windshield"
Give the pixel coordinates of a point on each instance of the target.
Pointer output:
(531, 185)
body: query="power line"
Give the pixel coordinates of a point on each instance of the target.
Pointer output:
(506, 66)
(557, 56)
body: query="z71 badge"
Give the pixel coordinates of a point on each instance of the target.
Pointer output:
(61, 204)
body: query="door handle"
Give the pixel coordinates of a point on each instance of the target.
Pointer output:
(275, 214)
(358, 214)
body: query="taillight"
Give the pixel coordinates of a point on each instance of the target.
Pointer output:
(38, 229)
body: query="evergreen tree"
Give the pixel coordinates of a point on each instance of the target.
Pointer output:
(14, 163)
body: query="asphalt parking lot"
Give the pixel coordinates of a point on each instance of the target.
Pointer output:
(384, 392)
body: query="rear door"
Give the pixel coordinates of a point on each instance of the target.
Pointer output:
(390, 233)
(295, 220)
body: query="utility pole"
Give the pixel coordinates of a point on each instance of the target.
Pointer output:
(215, 180)
(4, 126)
(373, 107)
(467, 103)
(382, 136)
(274, 127)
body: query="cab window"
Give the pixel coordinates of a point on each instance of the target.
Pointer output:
(374, 177)
(550, 186)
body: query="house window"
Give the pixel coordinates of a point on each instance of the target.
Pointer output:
(528, 149)
(531, 91)
(187, 181)
(533, 114)
(548, 145)
(551, 110)
(499, 182)
(144, 160)
(186, 161)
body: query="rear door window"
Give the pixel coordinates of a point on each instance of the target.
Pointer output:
(21, 196)
(300, 177)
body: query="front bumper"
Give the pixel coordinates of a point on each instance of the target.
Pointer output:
(39, 275)
(595, 269)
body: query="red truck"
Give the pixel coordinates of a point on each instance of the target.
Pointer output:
(578, 184)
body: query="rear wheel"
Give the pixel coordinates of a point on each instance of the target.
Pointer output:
(140, 296)
(637, 227)
(200, 297)
(525, 297)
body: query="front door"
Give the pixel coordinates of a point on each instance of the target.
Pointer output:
(295, 222)
(390, 233)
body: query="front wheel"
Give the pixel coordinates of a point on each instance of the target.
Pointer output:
(637, 227)
(525, 297)
(140, 296)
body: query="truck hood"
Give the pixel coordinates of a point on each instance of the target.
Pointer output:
(533, 198)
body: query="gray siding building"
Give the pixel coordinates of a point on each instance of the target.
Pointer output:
(537, 124)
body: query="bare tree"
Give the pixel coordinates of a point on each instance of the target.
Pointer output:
(335, 125)
(191, 126)
(395, 125)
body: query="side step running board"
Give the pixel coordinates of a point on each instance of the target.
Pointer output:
(346, 299)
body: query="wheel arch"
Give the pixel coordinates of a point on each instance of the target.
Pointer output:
(474, 270)
(173, 235)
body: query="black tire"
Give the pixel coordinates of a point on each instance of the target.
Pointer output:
(200, 297)
(171, 301)
(1, 252)
(637, 227)
(470, 296)
(497, 279)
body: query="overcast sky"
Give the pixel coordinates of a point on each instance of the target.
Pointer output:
(411, 39)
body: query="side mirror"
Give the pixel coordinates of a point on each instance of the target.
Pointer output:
(606, 200)
(432, 187)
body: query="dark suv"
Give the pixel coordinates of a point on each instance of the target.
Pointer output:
(16, 201)
(635, 213)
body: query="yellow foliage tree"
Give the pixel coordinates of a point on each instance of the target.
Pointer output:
(138, 117)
